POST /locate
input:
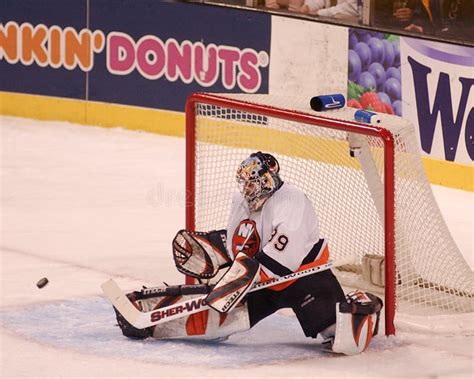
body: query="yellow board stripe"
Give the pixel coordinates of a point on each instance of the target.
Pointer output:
(439, 172)
(449, 174)
(136, 118)
(92, 113)
(282, 142)
(42, 107)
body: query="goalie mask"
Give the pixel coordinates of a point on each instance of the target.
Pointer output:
(257, 179)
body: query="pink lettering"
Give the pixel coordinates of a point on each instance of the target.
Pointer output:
(205, 64)
(249, 78)
(186, 61)
(229, 57)
(151, 57)
(179, 61)
(121, 54)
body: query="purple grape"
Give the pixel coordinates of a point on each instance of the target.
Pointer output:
(364, 54)
(378, 72)
(366, 80)
(352, 40)
(397, 107)
(389, 53)
(355, 66)
(393, 89)
(377, 50)
(379, 35)
(384, 98)
(393, 72)
(360, 31)
(363, 35)
(396, 50)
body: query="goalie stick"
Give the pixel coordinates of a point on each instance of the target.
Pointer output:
(142, 320)
(176, 290)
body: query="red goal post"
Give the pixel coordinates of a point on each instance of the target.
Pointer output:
(312, 119)
(366, 182)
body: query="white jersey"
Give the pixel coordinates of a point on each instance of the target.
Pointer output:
(285, 229)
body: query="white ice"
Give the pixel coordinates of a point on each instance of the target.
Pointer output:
(82, 204)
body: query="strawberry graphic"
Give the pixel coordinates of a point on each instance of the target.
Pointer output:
(377, 107)
(388, 108)
(370, 99)
(353, 103)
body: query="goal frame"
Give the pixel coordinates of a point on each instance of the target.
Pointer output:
(312, 119)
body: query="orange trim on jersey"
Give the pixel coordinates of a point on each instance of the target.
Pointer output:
(322, 258)
(196, 324)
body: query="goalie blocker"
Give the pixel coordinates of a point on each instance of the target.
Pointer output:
(234, 284)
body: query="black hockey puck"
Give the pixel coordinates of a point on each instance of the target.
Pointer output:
(42, 282)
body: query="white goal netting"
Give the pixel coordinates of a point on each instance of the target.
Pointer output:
(432, 277)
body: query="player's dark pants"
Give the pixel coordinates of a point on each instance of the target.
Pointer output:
(313, 299)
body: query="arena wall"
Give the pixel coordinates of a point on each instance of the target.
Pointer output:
(133, 66)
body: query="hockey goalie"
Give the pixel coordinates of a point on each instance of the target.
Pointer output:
(273, 231)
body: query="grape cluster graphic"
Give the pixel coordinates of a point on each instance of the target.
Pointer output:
(374, 72)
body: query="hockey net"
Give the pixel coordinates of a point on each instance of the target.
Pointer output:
(366, 183)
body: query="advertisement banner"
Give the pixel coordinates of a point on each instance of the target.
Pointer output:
(438, 97)
(33, 43)
(149, 54)
(157, 53)
(429, 83)
(374, 73)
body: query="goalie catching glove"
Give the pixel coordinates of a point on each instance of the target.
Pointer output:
(200, 255)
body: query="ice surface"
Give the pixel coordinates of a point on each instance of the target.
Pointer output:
(82, 204)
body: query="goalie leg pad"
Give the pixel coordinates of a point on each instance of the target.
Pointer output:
(356, 322)
(206, 325)
(128, 330)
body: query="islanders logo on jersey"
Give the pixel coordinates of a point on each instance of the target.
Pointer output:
(246, 238)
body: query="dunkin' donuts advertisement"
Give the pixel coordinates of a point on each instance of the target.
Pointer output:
(156, 62)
